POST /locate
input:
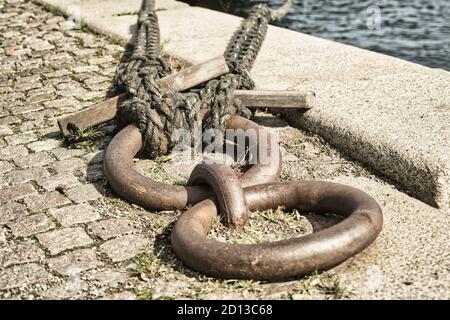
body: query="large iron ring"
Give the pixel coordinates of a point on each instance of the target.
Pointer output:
(282, 259)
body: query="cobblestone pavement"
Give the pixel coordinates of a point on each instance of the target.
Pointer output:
(63, 233)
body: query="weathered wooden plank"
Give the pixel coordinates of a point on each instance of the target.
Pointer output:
(107, 110)
(190, 77)
(180, 81)
(194, 75)
(277, 99)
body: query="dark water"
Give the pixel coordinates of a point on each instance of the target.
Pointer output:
(414, 30)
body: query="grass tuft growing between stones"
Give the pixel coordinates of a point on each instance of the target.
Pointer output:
(159, 174)
(264, 226)
(324, 283)
(86, 133)
(149, 264)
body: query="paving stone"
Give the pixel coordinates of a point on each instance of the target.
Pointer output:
(72, 85)
(15, 52)
(73, 288)
(94, 157)
(68, 165)
(3, 183)
(26, 175)
(30, 225)
(62, 102)
(61, 56)
(5, 167)
(54, 81)
(47, 90)
(83, 193)
(5, 130)
(33, 159)
(96, 79)
(123, 295)
(80, 77)
(9, 153)
(308, 296)
(18, 192)
(110, 228)
(57, 74)
(108, 71)
(46, 200)
(12, 33)
(74, 262)
(64, 239)
(26, 86)
(123, 248)
(86, 68)
(22, 138)
(80, 213)
(3, 113)
(35, 100)
(27, 109)
(78, 93)
(4, 90)
(60, 181)
(9, 120)
(50, 132)
(38, 116)
(18, 253)
(102, 87)
(23, 275)
(110, 277)
(33, 78)
(64, 153)
(169, 289)
(44, 145)
(11, 211)
(28, 126)
(89, 41)
(82, 53)
(100, 60)
(41, 45)
(54, 20)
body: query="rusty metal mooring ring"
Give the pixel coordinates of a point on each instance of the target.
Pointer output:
(257, 191)
(287, 258)
(152, 195)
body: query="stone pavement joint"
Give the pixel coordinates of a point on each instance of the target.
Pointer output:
(64, 239)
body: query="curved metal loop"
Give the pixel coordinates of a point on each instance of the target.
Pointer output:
(227, 189)
(152, 195)
(287, 258)
(267, 261)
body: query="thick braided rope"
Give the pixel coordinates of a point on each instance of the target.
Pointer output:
(138, 76)
(246, 43)
(158, 114)
(240, 55)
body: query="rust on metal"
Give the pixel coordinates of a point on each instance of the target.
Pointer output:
(227, 189)
(287, 258)
(214, 188)
(153, 195)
